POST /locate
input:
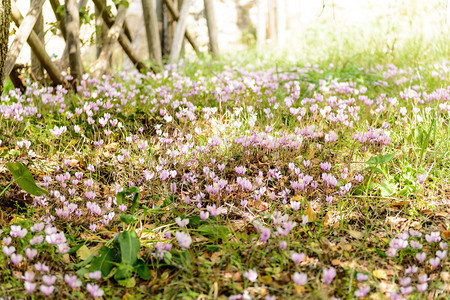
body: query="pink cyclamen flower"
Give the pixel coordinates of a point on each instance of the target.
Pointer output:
(95, 275)
(16, 258)
(295, 205)
(9, 250)
(181, 223)
(421, 256)
(29, 276)
(441, 254)
(7, 240)
(362, 291)
(49, 280)
(72, 281)
(184, 239)
(42, 267)
(204, 215)
(422, 287)
(46, 290)
(421, 178)
(434, 262)
(362, 277)
(29, 286)
(94, 290)
(300, 278)
(433, 237)
(298, 257)
(251, 275)
(328, 275)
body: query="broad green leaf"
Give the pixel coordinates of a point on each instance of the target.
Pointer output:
(127, 219)
(168, 201)
(142, 270)
(128, 283)
(104, 262)
(129, 247)
(387, 188)
(214, 231)
(24, 179)
(380, 159)
(124, 271)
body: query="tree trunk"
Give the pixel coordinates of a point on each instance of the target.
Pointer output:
(212, 28)
(36, 67)
(21, 36)
(101, 31)
(179, 32)
(5, 11)
(151, 28)
(73, 39)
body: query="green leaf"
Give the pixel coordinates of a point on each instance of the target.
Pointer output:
(104, 262)
(380, 159)
(127, 219)
(168, 201)
(129, 247)
(121, 197)
(124, 271)
(214, 232)
(380, 252)
(128, 283)
(387, 188)
(142, 270)
(24, 179)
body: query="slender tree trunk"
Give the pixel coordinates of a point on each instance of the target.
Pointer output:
(151, 28)
(36, 67)
(101, 31)
(179, 32)
(22, 35)
(5, 11)
(73, 39)
(212, 28)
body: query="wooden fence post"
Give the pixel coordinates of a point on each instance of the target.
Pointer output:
(21, 36)
(38, 48)
(123, 39)
(151, 28)
(212, 28)
(73, 39)
(179, 32)
(174, 11)
(36, 67)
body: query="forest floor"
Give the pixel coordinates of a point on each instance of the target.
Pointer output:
(216, 180)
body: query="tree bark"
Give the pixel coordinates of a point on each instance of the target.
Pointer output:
(179, 32)
(151, 28)
(21, 36)
(212, 28)
(38, 48)
(73, 39)
(101, 31)
(59, 17)
(36, 67)
(101, 65)
(123, 39)
(5, 11)
(174, 11)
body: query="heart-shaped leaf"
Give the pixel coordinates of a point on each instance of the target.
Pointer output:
(129, 247)
(24, 179)
(104, 262)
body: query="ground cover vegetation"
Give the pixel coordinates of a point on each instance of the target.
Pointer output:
(243, 179)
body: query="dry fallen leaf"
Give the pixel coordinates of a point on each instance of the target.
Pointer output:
(400, 204)
(446, 234)
(311, 214)
(84, 252)
(335, 262)
(356, 234)
(380, 274)
(300, 289)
